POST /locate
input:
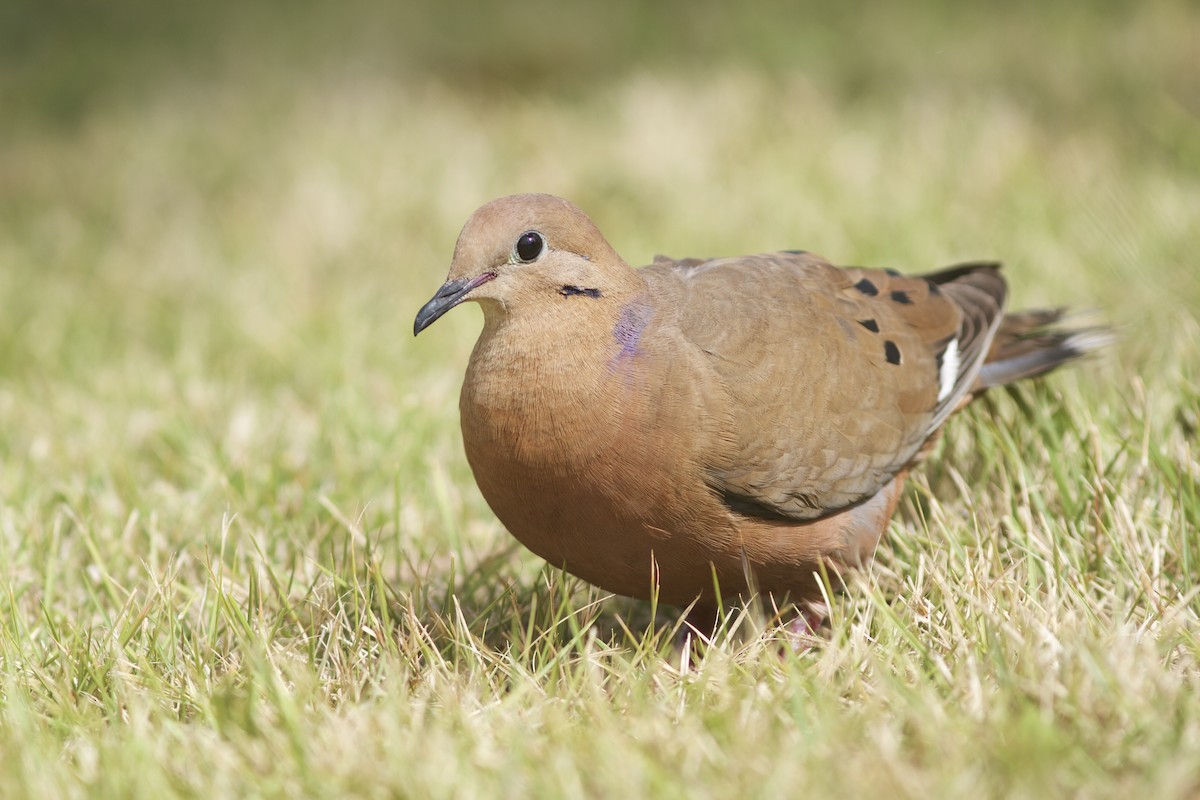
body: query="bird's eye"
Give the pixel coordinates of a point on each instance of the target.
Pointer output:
(530, 245)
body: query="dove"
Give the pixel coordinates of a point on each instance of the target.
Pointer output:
(702, 428)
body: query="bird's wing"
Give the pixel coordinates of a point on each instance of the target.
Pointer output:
(833, 377)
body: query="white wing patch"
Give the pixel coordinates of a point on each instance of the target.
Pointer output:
(948, 375)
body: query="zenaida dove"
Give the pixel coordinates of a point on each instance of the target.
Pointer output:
(731, 422)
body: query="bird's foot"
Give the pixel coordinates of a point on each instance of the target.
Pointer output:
(808, 627)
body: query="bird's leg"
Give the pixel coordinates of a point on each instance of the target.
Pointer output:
(808, 626)
(700, 621)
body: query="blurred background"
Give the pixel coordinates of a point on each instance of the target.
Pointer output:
(217, 220)
(240, 545)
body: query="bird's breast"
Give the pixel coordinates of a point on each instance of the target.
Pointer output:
(556, 409)
(598, 421)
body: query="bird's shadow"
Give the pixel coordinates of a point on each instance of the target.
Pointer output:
(499, 609)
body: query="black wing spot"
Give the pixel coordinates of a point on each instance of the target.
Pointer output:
(866, 287)
(891, 351)
(902, 298)
(870, 325)
(795, 252)
(895, 273)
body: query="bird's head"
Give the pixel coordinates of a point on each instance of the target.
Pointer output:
(526, 249)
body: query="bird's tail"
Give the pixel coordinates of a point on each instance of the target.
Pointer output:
(1031, 343)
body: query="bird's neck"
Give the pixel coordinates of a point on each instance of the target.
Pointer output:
(561, 349)
(570, 373)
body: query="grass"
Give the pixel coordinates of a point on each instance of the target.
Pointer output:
(243, 554)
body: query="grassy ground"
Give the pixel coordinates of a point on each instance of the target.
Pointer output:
(242, 553)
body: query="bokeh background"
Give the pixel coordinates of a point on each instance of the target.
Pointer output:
(218, 219)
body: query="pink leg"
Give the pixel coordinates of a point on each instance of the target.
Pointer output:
(806, 629)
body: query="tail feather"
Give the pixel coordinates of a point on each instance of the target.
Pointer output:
(1030, 343)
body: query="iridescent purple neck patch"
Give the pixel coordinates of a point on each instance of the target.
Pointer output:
(635, 315)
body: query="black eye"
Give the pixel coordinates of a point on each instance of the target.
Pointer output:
(530, 246)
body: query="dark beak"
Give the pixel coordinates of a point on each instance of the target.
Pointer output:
(451, 294)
